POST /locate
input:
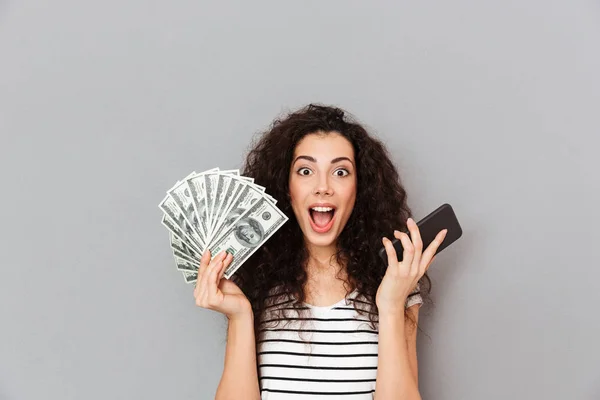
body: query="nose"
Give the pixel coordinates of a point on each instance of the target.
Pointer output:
(323, 186)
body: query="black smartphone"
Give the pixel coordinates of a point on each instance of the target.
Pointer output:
(441, 218)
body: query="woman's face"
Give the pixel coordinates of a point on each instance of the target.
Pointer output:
(323, 175)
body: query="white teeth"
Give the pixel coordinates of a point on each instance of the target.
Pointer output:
(322, 209)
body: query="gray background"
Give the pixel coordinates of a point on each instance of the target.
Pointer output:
(489, 106)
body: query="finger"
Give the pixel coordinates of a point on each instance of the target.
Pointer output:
(204, 260)
(225, 266)
(406, 244)
(222, 272)
(408, 250)
(428, 265)
(415, 235)
(390, 251)
(399, 235)
(212, 287)
(214, 278)
(429, 254)
(196, 287)
(206, 275)
(204, 263)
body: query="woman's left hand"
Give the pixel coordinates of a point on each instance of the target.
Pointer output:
(401, 277)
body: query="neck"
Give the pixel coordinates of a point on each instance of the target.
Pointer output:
(321, 260)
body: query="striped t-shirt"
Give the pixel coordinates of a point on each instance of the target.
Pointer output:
(338, 360)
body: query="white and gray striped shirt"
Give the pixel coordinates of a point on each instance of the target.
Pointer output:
(332, 356)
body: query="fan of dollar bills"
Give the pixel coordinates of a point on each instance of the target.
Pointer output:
(217, 210)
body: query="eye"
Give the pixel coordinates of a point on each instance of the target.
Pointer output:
(304, 171)
(344, 172)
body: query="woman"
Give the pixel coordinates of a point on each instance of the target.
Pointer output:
(289, 334)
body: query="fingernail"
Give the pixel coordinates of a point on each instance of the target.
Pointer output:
(396, 232)
(410, 220)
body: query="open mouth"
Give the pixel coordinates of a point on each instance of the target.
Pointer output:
(321, 218)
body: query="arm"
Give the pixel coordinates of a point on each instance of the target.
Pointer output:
(396, 366)
(240, 377)
(411, 339)
(413, 304)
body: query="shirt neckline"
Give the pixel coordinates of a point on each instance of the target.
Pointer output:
(325, 308)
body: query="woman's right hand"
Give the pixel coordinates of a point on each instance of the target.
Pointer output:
(217, 293)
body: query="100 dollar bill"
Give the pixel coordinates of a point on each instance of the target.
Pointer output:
(248, 233)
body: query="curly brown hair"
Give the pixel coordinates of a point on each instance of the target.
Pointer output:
(380, 207)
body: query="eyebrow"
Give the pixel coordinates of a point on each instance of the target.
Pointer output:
(312, 159)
